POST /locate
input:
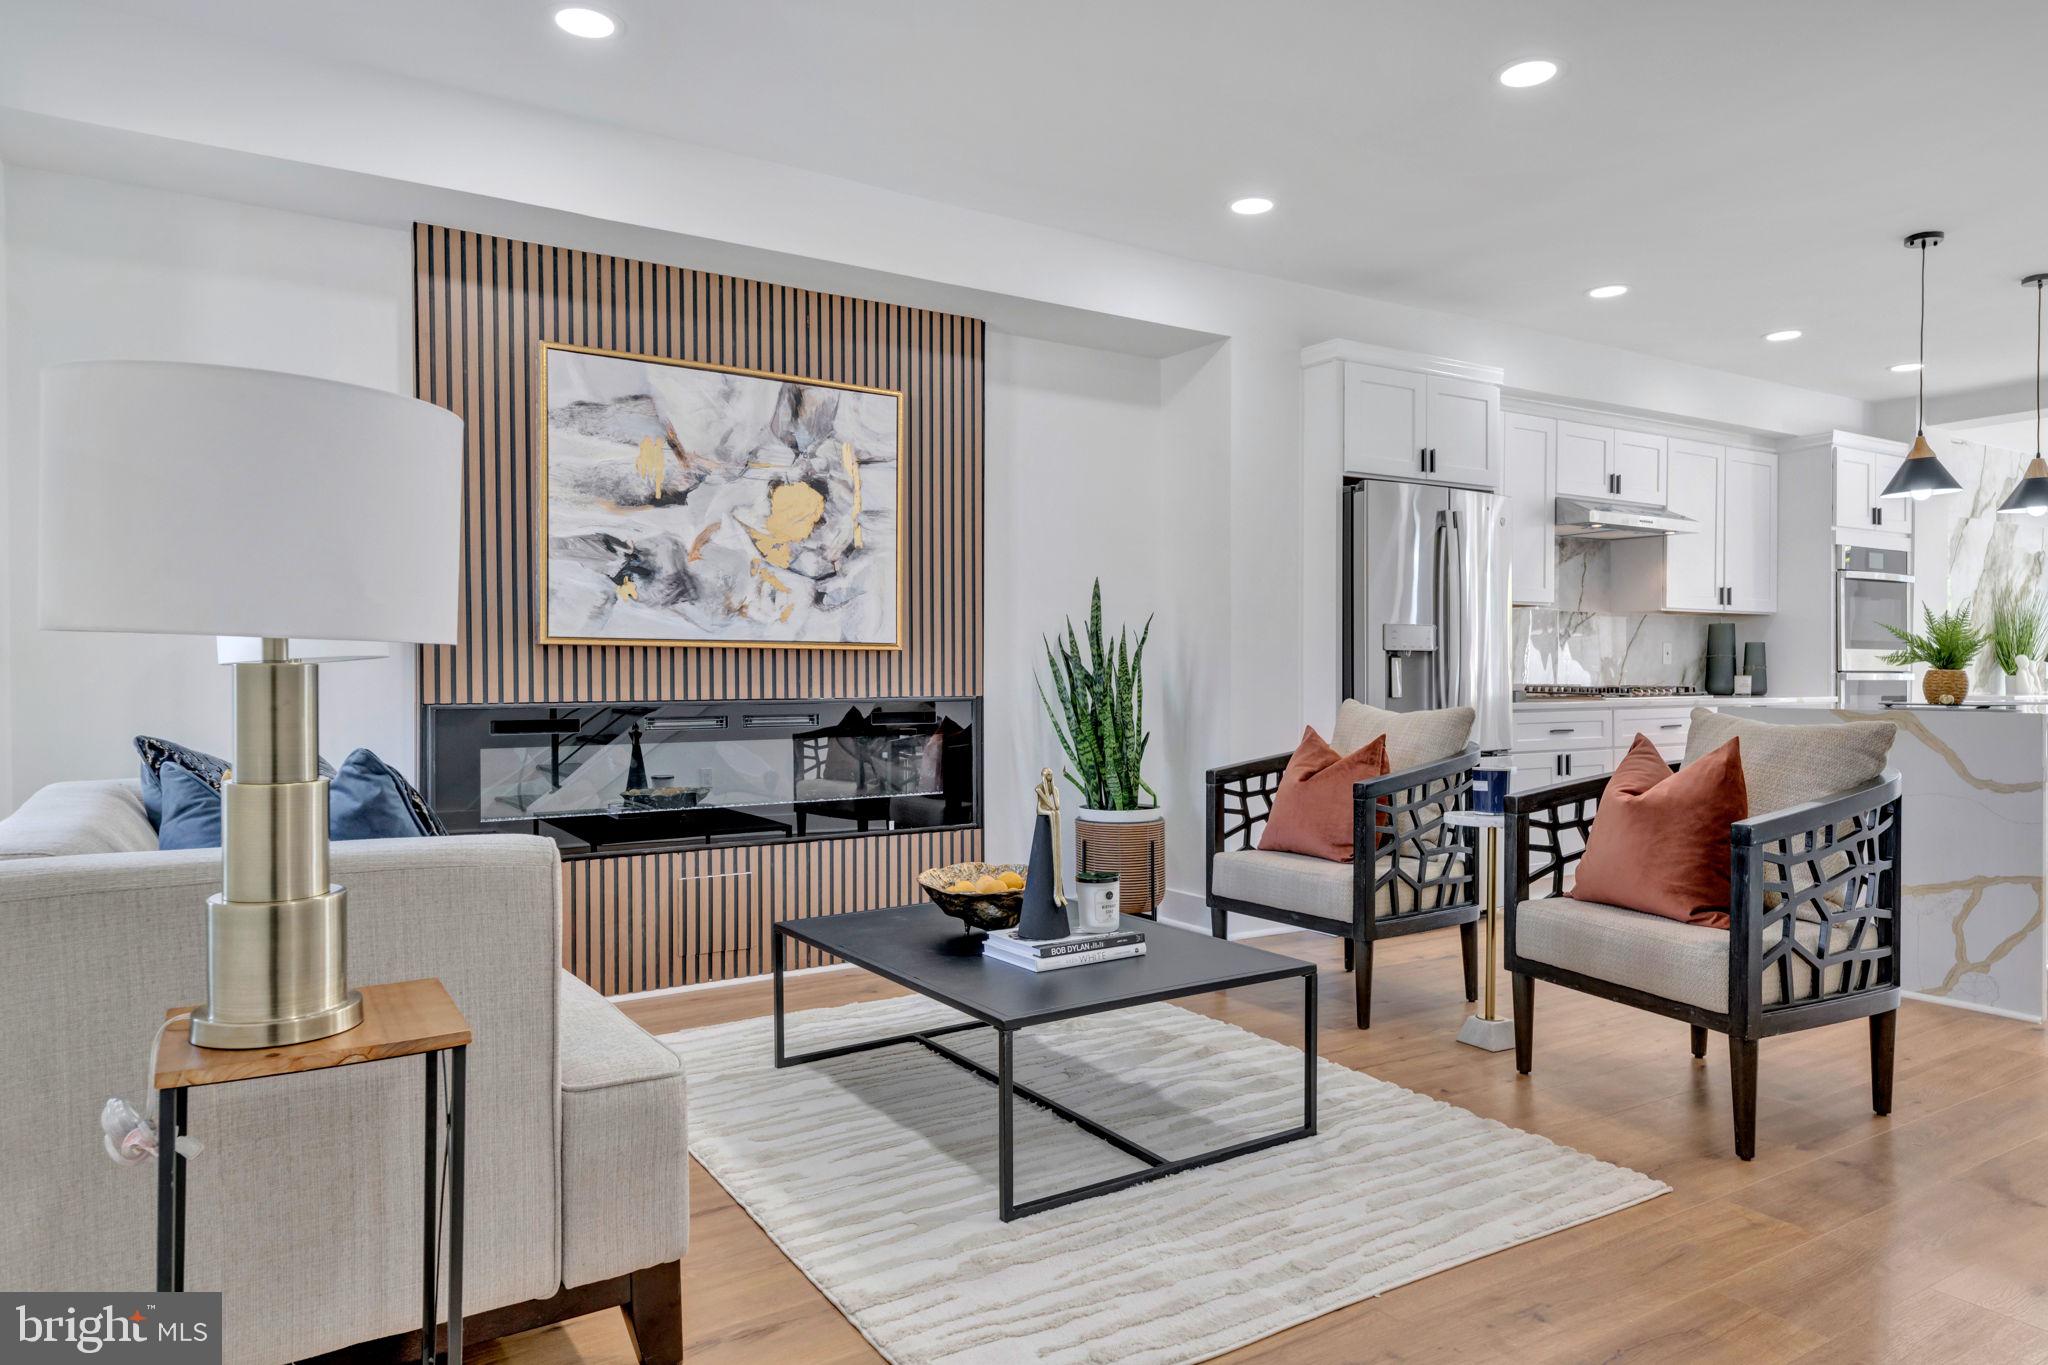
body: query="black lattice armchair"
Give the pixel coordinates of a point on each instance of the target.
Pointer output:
(1813, 936)
(1409, 871)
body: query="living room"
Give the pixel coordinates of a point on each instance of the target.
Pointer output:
(629, 561)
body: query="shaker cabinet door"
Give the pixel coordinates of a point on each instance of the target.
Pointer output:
(1384, 417)
(1529, 477)
(1749, 529)
(1693, 580)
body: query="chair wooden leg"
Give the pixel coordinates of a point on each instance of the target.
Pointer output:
(1699, 1040)
(1742, 1082)
(654, 1314)
(1361, 980)
(1525, 1020)
(1350, 955)
(1884, 1037)
(1468, 944)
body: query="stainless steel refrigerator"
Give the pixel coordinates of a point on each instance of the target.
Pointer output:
(1426, 602)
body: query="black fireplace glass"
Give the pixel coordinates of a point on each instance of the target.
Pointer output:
(628, 776)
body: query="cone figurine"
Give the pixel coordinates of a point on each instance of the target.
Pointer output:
(1045, 902)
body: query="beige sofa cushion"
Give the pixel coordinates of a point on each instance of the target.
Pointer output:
(625, 1143)
(1314, 886)
(1413, 737)
(66, 819)
(1683, 962)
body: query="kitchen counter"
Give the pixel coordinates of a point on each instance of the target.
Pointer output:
(1680, 703)
(1975, 848)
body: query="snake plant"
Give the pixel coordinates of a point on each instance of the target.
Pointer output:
(1100, 718)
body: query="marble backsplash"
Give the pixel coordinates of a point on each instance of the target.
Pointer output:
(1572, 643)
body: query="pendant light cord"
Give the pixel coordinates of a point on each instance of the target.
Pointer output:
(2038, 283)
(1920, 417)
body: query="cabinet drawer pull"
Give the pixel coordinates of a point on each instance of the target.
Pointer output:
(1565, 730)
(1674, 725)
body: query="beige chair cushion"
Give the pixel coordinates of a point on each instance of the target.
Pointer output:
(1312, 886)
(66, 819)
(1413, 737)
(1789, 765)
(1683, 962)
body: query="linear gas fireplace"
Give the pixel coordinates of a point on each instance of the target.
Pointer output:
(634, 777)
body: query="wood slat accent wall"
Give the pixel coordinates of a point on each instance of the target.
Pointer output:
(483, 305)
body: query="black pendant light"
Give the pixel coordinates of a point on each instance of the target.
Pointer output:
(2031, 497)
(1922, 476)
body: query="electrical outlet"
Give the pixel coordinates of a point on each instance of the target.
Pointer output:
(1667, 651)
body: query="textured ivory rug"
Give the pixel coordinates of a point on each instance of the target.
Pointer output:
(875, 1174)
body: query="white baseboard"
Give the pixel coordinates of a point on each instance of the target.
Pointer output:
(1952, 1003)
(720, 985)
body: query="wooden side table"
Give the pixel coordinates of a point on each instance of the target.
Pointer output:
(404, 1019)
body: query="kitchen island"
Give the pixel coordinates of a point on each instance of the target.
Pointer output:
(1974, 852)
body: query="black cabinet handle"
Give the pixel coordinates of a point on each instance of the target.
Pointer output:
(1565, 731)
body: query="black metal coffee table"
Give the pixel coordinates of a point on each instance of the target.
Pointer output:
(919, 947)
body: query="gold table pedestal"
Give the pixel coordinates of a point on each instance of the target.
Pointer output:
(1491, 1030)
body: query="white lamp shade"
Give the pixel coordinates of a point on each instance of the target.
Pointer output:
(207, 500)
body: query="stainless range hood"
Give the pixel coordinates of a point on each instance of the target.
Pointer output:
(1590, 520)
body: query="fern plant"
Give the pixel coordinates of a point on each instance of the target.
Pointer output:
(1100, 718)
(2019, 621)
(1950, 641)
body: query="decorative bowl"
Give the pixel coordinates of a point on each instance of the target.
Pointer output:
(975, 909)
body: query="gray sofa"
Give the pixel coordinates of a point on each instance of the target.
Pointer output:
(305, 1205)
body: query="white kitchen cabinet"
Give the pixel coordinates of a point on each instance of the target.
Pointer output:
(1585, 460)
(1693, 580)
(1393, 415)
(1463, 432)
(1860, 479)
(1386, 413)
(1749, 529)
(1529, 477)
(1639, 467)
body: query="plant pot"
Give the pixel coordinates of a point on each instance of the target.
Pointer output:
(1130, 843)
(1945, 686)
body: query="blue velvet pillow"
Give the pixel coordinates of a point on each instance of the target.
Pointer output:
(190, 810)
(157, 754)
(368, 799)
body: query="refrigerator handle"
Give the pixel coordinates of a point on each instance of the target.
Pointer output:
(1466, 687)
(1438, 619)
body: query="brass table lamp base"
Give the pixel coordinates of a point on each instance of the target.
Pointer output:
(277, 935)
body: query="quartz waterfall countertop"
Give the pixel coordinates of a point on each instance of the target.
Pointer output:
(1975, 852)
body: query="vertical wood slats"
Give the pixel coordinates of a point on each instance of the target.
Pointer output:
(482, 305)
(485, 303)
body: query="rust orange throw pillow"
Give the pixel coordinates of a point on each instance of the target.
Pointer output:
(1312, 809)
(1659, 841)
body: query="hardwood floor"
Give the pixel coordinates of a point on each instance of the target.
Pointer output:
(1920, 1237)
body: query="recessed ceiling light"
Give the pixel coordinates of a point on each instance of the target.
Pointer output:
(1906, 368)
(1522, 75)
(585, 23)
(1606, 291)
(1788, 334)
(1253, 205)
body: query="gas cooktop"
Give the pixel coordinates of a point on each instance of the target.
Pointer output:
(1586, 692)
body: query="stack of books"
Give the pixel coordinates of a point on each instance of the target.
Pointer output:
(1051, 954)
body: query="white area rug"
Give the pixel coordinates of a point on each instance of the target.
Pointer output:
(876, 1174)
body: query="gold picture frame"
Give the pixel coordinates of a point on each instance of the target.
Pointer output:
(544, 552)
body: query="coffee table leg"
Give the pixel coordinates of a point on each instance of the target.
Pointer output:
(1308, 1052)
(1006, 1180)
(775, 957)
(430, 1214)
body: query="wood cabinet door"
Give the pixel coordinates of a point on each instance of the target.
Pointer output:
(1463, 432)
(1749, 529)
(1639, 467)
(1585, 458)
(1384, 421)
(1529, 478)
(1692, 560)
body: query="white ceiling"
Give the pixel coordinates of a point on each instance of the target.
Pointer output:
(1743, 165)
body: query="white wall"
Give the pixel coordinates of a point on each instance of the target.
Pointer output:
(103, 271)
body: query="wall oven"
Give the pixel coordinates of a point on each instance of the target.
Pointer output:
(1873, 591)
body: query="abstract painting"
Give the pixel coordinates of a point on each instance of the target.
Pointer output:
(702, 505)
